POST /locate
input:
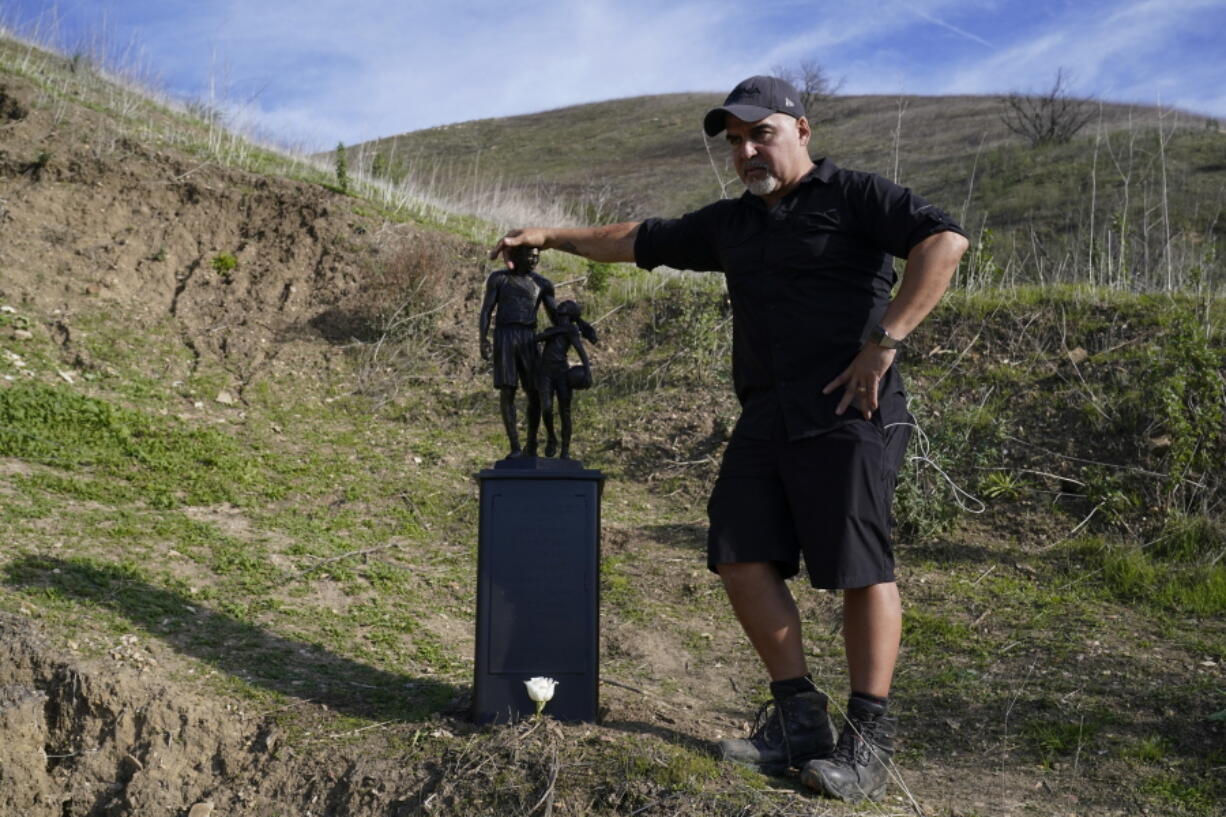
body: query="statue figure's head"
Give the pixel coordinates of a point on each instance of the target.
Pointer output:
(524, 259)
(569, 309)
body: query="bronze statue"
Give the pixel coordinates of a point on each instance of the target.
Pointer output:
(515, 293)
(557, 378)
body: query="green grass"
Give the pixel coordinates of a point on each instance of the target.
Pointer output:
(1060, 740)
(131, 455)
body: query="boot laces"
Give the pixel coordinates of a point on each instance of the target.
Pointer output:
(855, 746)
(770, 727)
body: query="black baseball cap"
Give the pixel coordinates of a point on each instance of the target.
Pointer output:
(755, 99)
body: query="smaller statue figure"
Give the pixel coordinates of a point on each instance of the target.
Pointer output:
(557, 378)
(515, 293)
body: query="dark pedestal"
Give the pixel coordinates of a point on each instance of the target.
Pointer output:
(538, 588)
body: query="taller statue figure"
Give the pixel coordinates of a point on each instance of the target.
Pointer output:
(516, 293)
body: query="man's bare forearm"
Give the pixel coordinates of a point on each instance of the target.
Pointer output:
(930, 267)
(609, 242)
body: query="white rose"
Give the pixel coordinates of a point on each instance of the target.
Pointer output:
(540, 690)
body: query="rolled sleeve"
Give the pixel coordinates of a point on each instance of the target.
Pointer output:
(681, 243)
(896, 219)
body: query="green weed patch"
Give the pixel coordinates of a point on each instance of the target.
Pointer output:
(1182, 571)
(165, 463)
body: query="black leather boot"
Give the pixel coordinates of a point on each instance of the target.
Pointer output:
(860, 765)
(787, 732)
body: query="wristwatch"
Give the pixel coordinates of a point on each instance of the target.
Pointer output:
(883, 338)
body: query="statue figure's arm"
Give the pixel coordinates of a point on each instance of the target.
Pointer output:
(487, 309)
(578, 344)
(587, 330)
(547, 298)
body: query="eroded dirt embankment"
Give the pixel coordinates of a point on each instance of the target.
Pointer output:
(85, 740)
(244, 264)
(80, 741)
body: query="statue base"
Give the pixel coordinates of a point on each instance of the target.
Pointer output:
(538, 588)
(551, 464)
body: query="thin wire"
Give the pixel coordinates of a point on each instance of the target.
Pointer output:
(925, 448)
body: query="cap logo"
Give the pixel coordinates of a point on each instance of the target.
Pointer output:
(789, 102)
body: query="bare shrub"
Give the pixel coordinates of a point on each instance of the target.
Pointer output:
(1052, 118)
(817, 87)
(400, 311)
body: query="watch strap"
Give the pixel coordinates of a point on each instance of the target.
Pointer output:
(883, 338)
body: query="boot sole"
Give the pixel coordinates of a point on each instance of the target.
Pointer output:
(815, 782)
(780, 769)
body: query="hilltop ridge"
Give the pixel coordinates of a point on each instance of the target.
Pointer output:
(1038, 209)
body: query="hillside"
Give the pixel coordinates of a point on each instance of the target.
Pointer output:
(240, 408)
(1039, 213)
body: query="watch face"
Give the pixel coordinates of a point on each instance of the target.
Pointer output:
(882, 339)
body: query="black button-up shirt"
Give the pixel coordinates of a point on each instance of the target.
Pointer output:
(808, 280)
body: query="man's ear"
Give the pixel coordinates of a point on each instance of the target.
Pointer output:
(803, 130)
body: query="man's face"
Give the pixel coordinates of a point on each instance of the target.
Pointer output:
(770, 153)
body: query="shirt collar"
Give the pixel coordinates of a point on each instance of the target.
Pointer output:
(823, 171)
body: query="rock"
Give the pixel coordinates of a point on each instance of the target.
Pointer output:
(22, 334)
(225, 398)
(1078, 355)
(202, 809)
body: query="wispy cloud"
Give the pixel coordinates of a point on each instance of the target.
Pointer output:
(1133, 51)
(975, 38)
(348, 70)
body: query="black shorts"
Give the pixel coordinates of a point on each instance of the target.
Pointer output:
(827, 497)
(515, 355)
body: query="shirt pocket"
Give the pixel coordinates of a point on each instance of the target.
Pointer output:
(740, 251)
(824, 242)
(812, 237)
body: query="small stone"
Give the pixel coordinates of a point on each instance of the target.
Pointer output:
(22, 334)
(202, 809)
(225, 398)
(66, 376)
(1077, 355)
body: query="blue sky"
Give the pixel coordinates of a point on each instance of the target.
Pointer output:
(314, 72)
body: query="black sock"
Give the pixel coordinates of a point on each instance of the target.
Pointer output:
(791, 686)
(872, 699)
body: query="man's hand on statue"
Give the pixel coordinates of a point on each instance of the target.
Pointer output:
(861, 378)
(527, 237)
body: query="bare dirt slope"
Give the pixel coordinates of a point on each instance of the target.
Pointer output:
(244, 264)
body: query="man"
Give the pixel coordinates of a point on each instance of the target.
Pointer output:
(811, 465)
(516, 292)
